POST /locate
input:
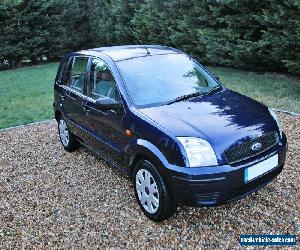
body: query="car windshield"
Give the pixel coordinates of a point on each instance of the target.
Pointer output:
(161, 79)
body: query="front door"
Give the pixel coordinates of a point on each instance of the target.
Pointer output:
(107, 124)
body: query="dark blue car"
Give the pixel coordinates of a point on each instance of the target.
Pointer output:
(162, 119)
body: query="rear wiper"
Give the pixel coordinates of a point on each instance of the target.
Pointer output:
(184, 97)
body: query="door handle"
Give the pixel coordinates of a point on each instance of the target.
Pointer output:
(87, 109)
(70, 95)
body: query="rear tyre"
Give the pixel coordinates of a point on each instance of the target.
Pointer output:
(151, 192)
(67, 138)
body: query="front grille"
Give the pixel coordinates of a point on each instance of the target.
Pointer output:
(244, 151)
(252, 185)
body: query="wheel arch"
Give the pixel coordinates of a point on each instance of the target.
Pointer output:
(146, 150)
(57, 114)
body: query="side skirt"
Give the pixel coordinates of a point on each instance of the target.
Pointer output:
(107, 159)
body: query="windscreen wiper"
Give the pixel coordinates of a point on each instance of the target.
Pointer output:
(184, 97)
(212, 89)
(195, 94)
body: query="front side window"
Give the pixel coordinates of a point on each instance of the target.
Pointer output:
(102, 83)
(78, 73)
(160, 79)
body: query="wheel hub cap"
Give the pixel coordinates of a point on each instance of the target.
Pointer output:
(64, 133)
(147, 191)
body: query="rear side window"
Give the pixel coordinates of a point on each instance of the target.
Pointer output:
(78, 74)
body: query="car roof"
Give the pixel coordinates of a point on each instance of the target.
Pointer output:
(118, 53)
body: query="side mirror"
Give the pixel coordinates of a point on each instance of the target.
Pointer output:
(107, 103)
(218, 78)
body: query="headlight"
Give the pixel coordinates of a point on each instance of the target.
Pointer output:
(199, 152)
(276, 118)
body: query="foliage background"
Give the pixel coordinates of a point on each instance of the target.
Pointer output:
(249, 34)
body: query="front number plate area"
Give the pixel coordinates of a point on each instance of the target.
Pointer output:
(260, 168)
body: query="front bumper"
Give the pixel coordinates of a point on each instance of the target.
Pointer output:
(212, 186)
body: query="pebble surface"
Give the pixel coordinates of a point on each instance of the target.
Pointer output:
(50, 198)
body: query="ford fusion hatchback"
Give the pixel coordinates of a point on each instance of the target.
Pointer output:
(161, 118)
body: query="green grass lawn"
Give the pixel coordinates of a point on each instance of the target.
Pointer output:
(275, 90)
(26, 94)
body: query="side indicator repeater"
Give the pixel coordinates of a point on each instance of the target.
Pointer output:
(128, 132)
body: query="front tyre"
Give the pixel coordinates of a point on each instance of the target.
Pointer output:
(67, 138)
(151, 192)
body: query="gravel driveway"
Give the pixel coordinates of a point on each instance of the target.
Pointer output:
(51, 198)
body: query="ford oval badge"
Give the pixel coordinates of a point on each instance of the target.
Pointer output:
(256, 146)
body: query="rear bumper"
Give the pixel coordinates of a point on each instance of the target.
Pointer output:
(212, 186)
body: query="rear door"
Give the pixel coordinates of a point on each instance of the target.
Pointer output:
(74, 94)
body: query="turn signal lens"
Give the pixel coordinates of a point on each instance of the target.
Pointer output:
(128, 132)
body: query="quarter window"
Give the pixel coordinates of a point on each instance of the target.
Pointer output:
(61, 70)
(102, 83)
(65, 78)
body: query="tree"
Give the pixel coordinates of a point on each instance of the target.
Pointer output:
(252, 34)
(281, 37)
(111, 21)
(30, 30)
(11, 37)
(76, 21)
